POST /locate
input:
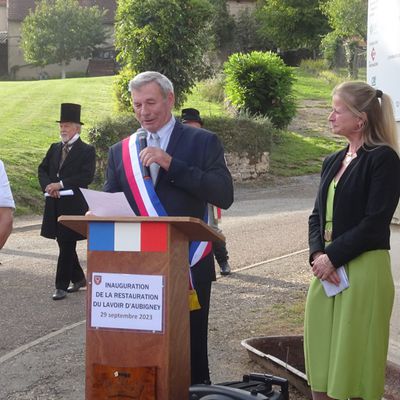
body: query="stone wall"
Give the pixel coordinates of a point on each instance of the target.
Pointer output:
(244, 168)
(3, 18)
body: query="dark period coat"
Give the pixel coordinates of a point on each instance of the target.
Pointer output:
(365, 199)
(77, 171)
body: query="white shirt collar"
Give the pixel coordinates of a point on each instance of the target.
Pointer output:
(164, 133)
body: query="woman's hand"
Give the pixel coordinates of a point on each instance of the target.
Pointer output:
(316, 255)
(324, 269)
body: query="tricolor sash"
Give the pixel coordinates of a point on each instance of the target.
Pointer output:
(146, 198)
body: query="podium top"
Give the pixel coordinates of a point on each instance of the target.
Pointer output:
(193, 228)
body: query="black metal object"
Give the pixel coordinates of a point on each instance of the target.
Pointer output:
(252, 387)
(218, 392)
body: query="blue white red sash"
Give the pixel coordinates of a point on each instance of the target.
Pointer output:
(146, 198)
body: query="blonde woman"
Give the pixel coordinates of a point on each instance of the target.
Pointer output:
(346, 336)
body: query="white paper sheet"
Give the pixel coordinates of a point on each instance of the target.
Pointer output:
(67, 192)
(333, 290)
(103, 204)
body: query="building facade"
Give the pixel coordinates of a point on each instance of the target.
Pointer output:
(236, 7)
(12, 62)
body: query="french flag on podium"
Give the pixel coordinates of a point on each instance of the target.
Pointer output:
(127, 236)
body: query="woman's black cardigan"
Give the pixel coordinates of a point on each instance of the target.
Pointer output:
(365, 199)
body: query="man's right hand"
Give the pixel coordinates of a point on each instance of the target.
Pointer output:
(151, 155)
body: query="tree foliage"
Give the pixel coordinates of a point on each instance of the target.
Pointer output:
(248, 33)
(293, 24)
(223, 24)
(61, 30)
(168, 36)
(348, 19)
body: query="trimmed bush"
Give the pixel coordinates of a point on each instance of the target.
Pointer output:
(242, 134)
(261, 84)
(122, 96)
(104, 135)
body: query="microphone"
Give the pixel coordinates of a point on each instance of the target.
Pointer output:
(142, 137)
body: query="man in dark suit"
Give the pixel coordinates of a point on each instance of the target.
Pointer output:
(67, 166)
(188, 169)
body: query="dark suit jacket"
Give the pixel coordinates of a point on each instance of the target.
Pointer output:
(365, 199)
(77, 171)
(198, 175)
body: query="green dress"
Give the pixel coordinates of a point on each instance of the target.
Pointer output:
(346, 336)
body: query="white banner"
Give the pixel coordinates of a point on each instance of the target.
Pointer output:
(127, 301)
(383, 50)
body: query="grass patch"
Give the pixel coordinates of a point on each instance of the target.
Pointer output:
(207, 107)
(289, 315)
(294, 154)
(310, 87)
(29, 110)
(28, 115)
(319, 86)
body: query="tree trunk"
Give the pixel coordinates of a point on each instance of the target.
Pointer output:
(351, 59)
(355, 64)
(63, 75)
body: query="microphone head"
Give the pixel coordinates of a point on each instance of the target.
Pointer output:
(142, 133)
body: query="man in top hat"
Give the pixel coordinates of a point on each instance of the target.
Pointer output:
(68, 165)
(191, 116)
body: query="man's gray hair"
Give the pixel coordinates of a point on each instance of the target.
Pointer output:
(143, 78)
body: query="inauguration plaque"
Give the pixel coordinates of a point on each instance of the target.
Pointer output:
(127, 301)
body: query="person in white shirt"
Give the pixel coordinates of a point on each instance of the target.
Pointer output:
(7, 206)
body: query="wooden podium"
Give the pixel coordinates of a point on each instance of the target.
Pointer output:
(137, 326)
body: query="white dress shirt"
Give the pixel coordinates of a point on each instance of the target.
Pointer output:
(6, 197)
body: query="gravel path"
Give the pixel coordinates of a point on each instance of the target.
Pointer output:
(262, 301)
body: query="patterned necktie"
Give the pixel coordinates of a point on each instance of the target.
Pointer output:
(64, 152)
(154, 167)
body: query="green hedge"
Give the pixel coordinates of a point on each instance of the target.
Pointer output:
(242, 134)
(262, 84)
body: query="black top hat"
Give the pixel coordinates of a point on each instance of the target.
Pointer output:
(191, 114)
(70, 113)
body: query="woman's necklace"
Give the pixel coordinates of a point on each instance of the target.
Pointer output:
(349, 157)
